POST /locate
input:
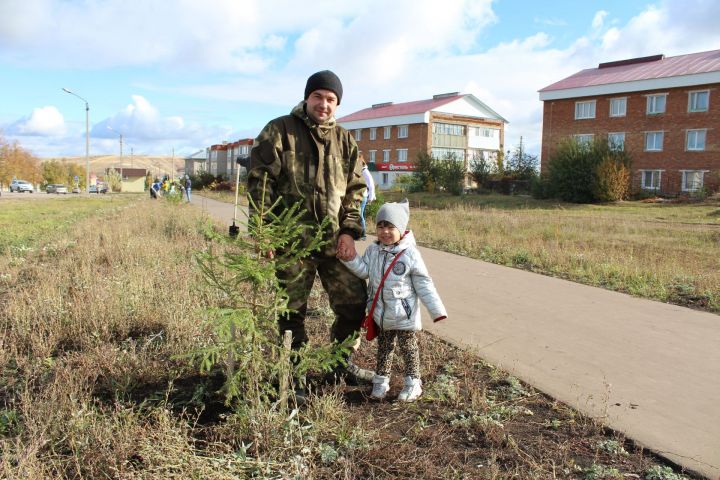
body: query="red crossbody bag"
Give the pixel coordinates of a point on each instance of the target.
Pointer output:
(369, 323)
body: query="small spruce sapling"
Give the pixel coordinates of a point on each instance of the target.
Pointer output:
(245, 342)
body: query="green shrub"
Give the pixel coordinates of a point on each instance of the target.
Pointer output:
(451, 174)
(573, 170)
(372, 207)
(540, 188)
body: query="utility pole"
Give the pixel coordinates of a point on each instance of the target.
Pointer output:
(173, 164)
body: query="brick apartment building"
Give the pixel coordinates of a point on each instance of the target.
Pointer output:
(390, 136)
(664, 111)
(221, 158)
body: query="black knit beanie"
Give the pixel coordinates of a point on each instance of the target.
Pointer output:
(325, 80)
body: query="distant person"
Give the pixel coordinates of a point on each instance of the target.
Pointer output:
(155, 189)
(398, 282)
(368, 195)
(188, 187)
(309, 158)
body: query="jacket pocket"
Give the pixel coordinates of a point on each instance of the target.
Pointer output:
(337, 180)
(296, 167)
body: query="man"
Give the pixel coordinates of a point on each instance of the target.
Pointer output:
(309, 158)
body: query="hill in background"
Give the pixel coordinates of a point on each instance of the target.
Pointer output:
(157, 165)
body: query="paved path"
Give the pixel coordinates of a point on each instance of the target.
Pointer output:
(649, 369)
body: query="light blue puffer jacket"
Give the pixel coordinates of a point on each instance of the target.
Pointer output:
(398, 306)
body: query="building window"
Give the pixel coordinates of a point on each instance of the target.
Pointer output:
(372, 156)
(616, 141)
(650, 179)
(656, 104)
(618, 107)
(385, 178)
(448, 153)
(584, 110)
(584, 138)
(449, 129)
(698, 101)
(386, 132)
(402, 131)
(386, 156)
(358, 134)
(654, 141)
(402, 154)
(692, 180)
(695, 140)
(373, 133)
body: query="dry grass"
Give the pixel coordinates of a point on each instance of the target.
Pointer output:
(92, 384)
(662, 252)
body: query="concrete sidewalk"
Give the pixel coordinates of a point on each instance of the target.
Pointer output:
(648, 369)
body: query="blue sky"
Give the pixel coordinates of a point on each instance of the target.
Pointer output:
(183, 74)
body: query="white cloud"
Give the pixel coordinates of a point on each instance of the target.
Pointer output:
(598, 19)
(383, 51)
(42, 122)
(141, 123)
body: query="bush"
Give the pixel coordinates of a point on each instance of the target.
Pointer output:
(425, 174)
(612, 181)
(451, 174)
(201, 180)
(540, 188)
(573, 171)
(372, 207)
(481, 169)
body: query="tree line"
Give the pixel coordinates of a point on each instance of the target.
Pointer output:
(17, 162)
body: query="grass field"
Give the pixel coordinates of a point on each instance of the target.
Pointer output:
(26, 222)
(95, 320)
(665, 252)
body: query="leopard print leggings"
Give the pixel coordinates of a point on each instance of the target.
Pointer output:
(407, 341)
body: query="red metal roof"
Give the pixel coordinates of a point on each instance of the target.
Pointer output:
(397, 109)
(641, 69)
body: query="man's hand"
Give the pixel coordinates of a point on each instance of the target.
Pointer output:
(346, 247)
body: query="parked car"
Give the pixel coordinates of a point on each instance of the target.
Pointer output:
(76, 190)
(56, 188)
(99, 188)
(21, 186)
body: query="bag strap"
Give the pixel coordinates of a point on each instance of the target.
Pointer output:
(382, 282)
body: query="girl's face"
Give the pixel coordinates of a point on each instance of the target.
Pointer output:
(387, 233)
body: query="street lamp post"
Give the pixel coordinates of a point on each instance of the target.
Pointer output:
(87, 139)
(121, 141)
(121, 157)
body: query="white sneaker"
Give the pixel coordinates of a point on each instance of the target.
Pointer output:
(381, 385)
(411, 391)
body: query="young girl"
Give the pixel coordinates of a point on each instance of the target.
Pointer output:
(396, 308)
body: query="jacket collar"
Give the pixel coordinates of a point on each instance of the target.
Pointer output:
(408, 240)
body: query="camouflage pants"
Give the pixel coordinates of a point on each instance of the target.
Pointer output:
(347, 294)
(409, 350)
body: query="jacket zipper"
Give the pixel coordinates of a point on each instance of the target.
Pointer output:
(382, 294)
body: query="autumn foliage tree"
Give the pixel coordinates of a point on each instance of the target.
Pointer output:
(16, 162)
(62, 171)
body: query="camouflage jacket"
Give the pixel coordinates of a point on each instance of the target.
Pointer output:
(314, 164)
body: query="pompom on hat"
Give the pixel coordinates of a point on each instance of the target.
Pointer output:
(325, 80)
(397, 213)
